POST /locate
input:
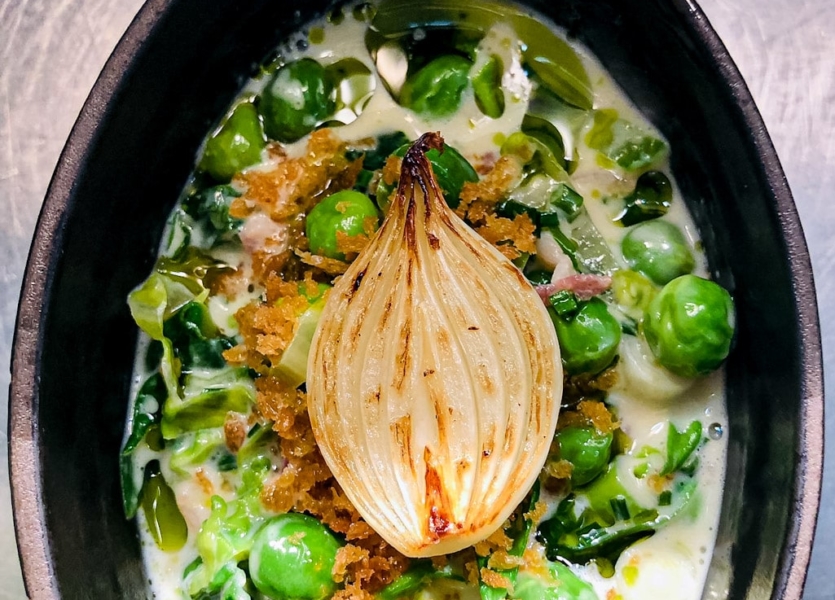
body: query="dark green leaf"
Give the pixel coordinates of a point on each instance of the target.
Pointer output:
(680, 445)
(651, 199)
(420, 571)
(386, 146)
(210, 207)
(538, 277)
(131, 488)
(146, 410)
(196, 339)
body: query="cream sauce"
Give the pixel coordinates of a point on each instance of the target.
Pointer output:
(672, 563)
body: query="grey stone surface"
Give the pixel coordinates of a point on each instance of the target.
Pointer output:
(52, 50)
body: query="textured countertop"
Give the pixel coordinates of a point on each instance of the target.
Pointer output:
(52, 50)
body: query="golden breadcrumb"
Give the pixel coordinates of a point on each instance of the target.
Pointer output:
(495, 580)
(329, 266)
(494, 186)
(351, 245)
(510, 237)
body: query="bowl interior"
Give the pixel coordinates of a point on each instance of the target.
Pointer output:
(131, 151)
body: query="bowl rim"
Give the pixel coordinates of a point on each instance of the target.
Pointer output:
(24, 434)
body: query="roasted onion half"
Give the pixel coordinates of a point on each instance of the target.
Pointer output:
(434, 378)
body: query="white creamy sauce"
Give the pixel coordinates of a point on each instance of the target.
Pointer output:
(672, 563)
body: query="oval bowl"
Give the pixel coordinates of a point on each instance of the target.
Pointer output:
(176, 69)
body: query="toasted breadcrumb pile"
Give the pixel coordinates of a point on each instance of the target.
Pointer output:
(329, 266)
(294, 185)
(560, 469)
(494, 579)
(511, 237)
(539, 509)
(352, 245)
(268, 327)
(287, 190)
(498, 540)
(305, 484)
(391, 170)
(493, 187)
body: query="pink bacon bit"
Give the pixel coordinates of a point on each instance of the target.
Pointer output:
(585, 286)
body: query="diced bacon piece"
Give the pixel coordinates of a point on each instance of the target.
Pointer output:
(585, 286)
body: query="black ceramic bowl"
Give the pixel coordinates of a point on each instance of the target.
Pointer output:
(178, 67)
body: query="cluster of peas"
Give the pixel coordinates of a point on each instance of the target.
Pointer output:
(687, 320)
(688, 323)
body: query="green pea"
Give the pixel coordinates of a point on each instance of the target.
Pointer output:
(451, 170)
(235, 145)
(689, 326)
(165, 522)
(436, 89)
(298, 97)
(589, 340)
(345, 211)
(658, 250)
(292, 558)
(586, 449)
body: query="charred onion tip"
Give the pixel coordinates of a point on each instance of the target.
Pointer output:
(416, 167)
(417, 153)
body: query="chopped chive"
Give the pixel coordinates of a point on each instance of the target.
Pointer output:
(227, 462)
(665, 498)
(564, 303)
(619, 508)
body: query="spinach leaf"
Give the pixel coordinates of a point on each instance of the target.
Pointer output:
(146, 411)
(651, 199)
(603, 519)
(210, 208)
(196, 339)
(680, 445)
(386, 145)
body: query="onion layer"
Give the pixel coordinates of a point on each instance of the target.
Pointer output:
(434, 378)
